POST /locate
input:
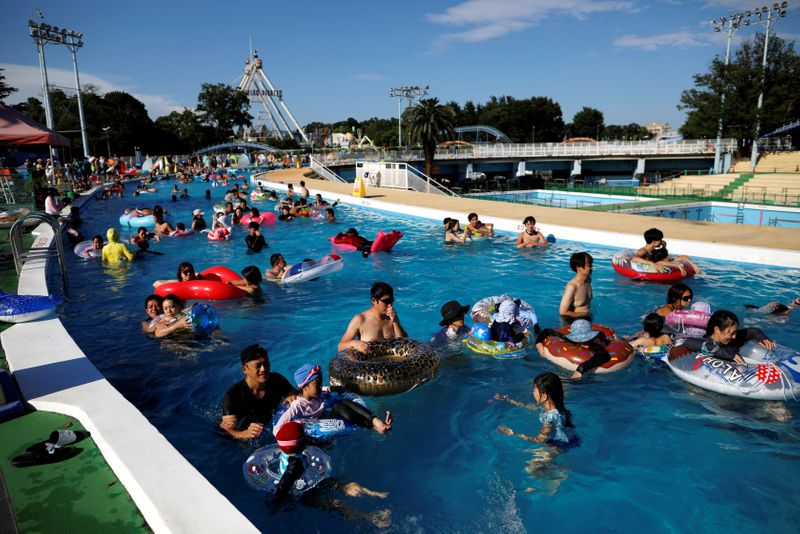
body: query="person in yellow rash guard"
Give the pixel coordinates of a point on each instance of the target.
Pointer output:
(115, 250)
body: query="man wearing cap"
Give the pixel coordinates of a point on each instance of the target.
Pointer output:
(198, 222)
(453, 323)
(250, 404)
(380, 321)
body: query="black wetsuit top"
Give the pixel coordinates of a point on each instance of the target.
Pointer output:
(722, 352)
(255, 242)
(240, 401)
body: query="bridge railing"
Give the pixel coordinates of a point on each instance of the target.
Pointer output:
(697, 147)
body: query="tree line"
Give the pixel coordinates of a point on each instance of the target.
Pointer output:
(119, 120)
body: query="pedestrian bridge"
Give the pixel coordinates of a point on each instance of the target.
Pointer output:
(237, 146)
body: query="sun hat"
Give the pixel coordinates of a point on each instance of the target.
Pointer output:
(581, 331)
(307, 373)
(198, 212)
(290, 437)
(253, 352)
(701, 306)
(452, 311)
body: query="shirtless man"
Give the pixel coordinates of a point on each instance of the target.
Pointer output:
(477, 227)
(278, 269)
(530, 237)
(380, 321)
(577, 299)
(303, 190)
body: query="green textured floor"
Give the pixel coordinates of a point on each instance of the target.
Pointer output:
(81, 494)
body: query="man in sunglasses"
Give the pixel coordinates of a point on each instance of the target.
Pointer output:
(250, 404)
(380, 321)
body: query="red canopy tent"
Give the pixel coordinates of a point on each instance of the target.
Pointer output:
(17, 129)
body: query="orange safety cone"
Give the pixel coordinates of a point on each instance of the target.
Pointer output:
(358, 187)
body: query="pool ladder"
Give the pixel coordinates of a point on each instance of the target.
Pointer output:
(38, 253)
(740, 213)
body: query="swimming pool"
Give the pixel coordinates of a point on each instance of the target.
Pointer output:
(656, 453)
(556, 199)
(725, 212)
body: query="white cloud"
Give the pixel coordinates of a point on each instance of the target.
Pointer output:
(490, 19)
(28, 80)
(679, 39)
(370, 77)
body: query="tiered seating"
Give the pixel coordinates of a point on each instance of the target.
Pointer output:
(771, 187)
(705, 185)
(779, 162)
(741, 165)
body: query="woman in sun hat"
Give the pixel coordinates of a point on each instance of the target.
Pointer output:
(198, 222)
(453, 322)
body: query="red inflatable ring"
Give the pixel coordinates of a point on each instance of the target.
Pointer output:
(571, 355)
(640, 271)
(213, 285)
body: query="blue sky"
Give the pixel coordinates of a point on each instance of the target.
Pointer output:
(335, 60)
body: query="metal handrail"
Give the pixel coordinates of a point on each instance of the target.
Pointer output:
(37, 253)
(324, 171)
(437, 186)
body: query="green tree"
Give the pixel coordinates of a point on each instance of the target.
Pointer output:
(428, 123)
(189, 132)
(632, 132)
(588, 122)
(740, 82)
(223, 107)
(5, 89)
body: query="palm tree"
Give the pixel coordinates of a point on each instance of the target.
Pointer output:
(428, 123)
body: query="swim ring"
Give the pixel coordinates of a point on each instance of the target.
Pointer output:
(262, 469)
(484, 310)
(690, 322)
(326, 428)
(266, 217)
(498, 349)
(570, 355)
(768, 375)
(388, 366)
(86, 250)
(146, 221)
(383, 242)
(310, 270)
(213, 285)
(182, 233)
(640, 271)
(219, 234)
(24, 308)
(259, 195)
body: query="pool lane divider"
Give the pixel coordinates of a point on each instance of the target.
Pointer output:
(55, 375)
(610, 239)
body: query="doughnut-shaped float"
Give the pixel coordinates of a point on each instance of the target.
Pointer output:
(690, 322)
(86, 250)
(388, 366)
(24, 308)
(570, 355)
(484, 310)
(262, 469)
(265, 217)
(640, 271)
(326, 428)
(768, 375)
(213, 285)
(219, 234)
(311, 270)
(383, 242)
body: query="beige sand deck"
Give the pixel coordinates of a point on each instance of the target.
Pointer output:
(721, 233)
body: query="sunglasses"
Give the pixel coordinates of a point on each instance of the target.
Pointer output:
(387, 300)
(686, 298)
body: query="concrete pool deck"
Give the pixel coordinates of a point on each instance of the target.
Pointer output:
(741, 243)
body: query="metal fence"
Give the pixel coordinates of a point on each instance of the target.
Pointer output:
(16, 195)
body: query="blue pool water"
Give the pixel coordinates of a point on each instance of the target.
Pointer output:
(727, 213)
(657, 454)
(555, 199)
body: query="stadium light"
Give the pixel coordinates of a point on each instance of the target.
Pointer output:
(410, 93)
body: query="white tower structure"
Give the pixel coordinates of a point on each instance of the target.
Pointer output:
(261, 91)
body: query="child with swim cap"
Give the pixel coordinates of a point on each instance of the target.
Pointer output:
(292, 464)
(310, 405)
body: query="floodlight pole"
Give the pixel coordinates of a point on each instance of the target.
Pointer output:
(84, 135)
(719, 25)
(409, 93)
(779, 12)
